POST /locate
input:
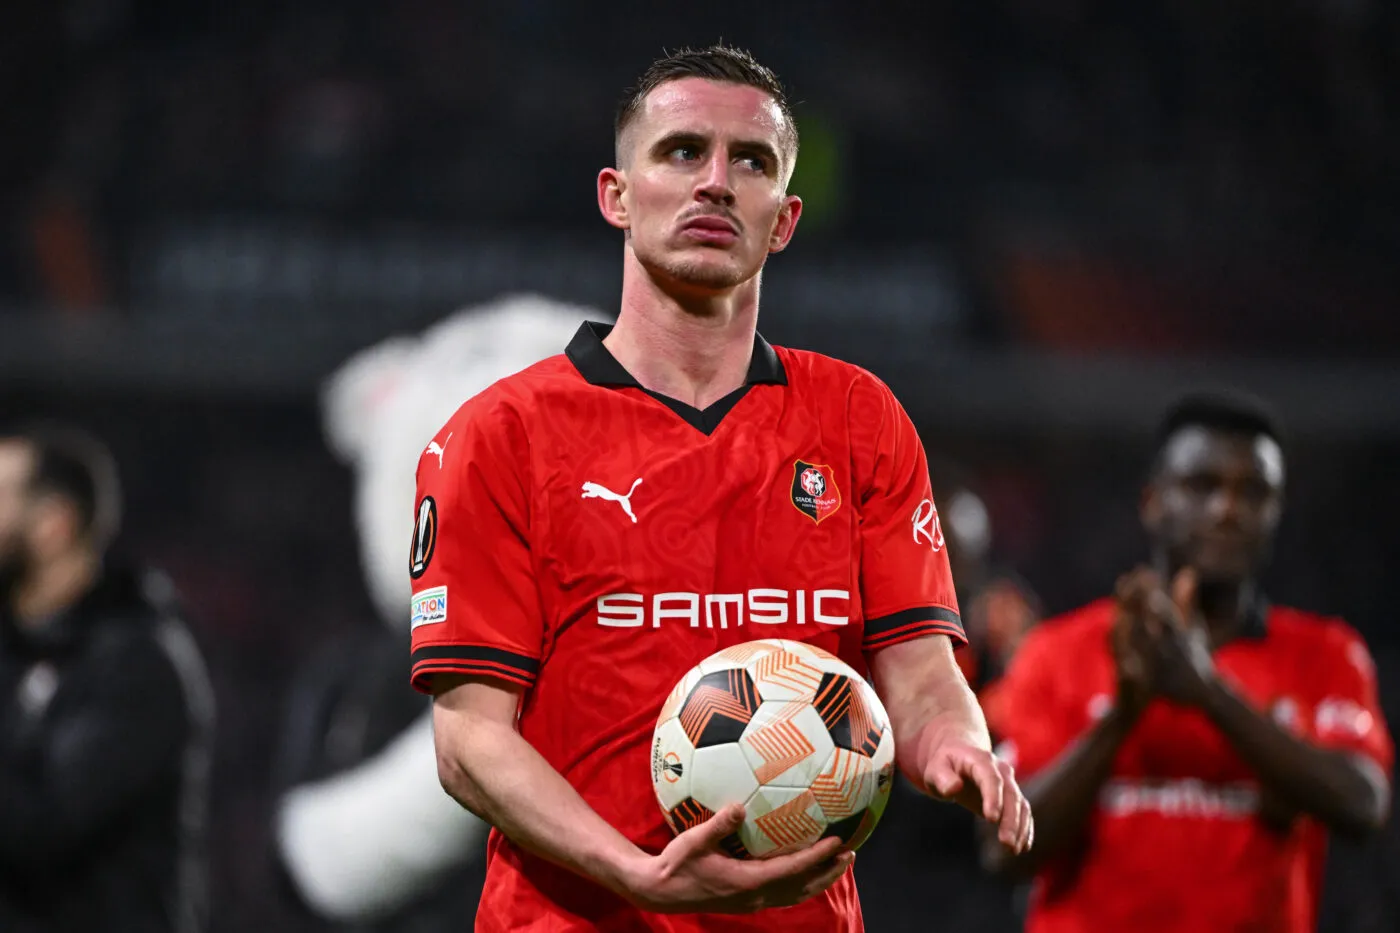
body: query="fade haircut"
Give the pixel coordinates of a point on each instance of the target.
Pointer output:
(78, 468)
(719, 62)
(1226, 411)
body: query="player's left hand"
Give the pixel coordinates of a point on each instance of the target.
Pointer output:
(1181, 647)
(973, 777)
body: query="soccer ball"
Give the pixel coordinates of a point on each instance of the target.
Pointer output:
(786, 729)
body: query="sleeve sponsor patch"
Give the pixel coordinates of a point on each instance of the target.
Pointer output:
(429, 607)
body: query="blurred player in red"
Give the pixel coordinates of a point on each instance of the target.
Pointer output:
(589, 529)
(1185, 744)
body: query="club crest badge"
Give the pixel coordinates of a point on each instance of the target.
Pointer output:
(814, 491)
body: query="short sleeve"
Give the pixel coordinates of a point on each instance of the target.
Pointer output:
(1346, 709)
(906, 582)
(475, 606)
(1027, 710)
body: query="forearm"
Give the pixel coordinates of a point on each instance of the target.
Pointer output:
(1062, 796)
(1330, 785)
(493, 772)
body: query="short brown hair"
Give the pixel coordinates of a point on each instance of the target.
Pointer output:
(719, 62)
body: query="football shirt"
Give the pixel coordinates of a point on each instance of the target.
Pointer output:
(1176, 841)
(591, 541)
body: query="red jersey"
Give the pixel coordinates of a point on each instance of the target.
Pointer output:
(593, 541)
(1175, 842)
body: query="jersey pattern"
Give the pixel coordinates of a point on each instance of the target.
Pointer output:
(1178, 839)
(589, 542)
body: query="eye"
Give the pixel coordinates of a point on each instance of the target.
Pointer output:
(686, 153)
(755, 162)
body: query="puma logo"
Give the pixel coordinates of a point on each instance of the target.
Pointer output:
(433, 448)
(595, 491)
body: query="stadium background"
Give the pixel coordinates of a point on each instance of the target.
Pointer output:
(1036, 219)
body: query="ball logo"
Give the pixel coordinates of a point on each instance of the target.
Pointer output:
(928, 529)
(814, 491)
(671, 768)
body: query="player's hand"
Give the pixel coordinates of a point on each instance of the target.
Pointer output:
(693, 875)
(1180, 646)
(1131, 640)
(974, 778)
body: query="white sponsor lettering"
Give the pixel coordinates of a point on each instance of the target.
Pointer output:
(1187, 797)
(723, 601)
(768, 606)
(623, 610)
(821, 617)
(690, 611)
(765, 606)
(1339, 716)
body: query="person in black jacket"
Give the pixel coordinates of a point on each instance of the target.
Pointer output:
(106, 712)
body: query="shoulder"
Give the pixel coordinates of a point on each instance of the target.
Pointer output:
(1318, 634)
(868, 402)
(139, 636)
(807, 370)
(515, 398)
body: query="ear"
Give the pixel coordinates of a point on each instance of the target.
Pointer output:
(55, 525)
(612, 186)
(786, 224)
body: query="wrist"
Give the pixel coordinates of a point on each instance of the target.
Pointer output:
(626, 871)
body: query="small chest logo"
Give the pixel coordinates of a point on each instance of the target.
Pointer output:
(814, 491)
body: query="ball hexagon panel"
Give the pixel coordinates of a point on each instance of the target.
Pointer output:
(718, 708)
(720, 775)
(780, 820)
(786, 743)
(671, 754)
(784, 674)
(845, 786)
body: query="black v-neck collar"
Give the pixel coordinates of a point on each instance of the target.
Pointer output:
(599, 367)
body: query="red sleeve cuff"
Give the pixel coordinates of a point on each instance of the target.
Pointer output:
(471, 661)
(919, 622)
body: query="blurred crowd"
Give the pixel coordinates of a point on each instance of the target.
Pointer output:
(1231, 141)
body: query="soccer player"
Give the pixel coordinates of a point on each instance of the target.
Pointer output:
(592, 527)
(1187, 743)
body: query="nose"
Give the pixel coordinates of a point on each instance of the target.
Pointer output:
(713, 185)
(1226, 506)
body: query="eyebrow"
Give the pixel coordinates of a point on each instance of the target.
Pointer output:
(682, 137)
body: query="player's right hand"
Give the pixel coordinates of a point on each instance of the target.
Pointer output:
(1131, 639)
(694, 875)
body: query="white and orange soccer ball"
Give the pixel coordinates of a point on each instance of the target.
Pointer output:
(784, 728)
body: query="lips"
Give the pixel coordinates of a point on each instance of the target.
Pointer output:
(711, 222)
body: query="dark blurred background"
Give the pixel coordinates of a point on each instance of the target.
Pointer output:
(1037, 219)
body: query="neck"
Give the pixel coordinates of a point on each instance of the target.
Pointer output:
(55, 586)
(1222, 605)
(692, 346)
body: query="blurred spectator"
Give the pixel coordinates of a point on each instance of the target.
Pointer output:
(1187, 736)
(106, 712)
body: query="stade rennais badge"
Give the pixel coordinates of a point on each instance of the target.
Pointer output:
(814, 490)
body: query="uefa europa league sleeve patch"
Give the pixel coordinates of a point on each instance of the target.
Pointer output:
(424, 538)
(814, 491)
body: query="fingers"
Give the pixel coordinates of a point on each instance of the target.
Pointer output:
(709, 833)
(812, 860)
(944, 779)
(987, 775)
(1184, 592)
